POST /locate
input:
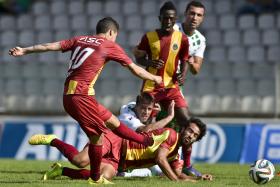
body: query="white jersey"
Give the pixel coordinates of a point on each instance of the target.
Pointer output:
(197, 41)
(128, 116)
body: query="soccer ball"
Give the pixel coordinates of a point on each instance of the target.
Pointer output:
(261, 171)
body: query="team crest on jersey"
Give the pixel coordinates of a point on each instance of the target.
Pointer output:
(175, 47)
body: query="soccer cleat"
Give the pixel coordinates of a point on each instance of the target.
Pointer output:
(41, 139)
(100, 181)
(191, 171)
(158, 139)
(56, 171)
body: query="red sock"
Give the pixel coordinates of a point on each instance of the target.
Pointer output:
(76, 173)
(67, 150)
(124, 132)
(95, 156)
(187, 156)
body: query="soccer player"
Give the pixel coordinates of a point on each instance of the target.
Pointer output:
(124, 154)
(89, 54)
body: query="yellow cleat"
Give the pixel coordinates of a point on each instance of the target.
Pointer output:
(56, 171)
(158, 139)
(41, 139)
(100, 181)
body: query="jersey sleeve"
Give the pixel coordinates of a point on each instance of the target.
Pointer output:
(67, 45)
(171, 140)
(184, 51)
(201, 49)
(131, 121)
(116, 53)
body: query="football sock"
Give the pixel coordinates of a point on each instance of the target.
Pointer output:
(124, 132)
(187, 155)
(76, 173)
(67, 150)
(95, 156)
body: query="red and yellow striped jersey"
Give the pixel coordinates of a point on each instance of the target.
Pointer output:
(169, 48)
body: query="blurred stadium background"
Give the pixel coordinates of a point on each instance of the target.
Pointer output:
(237, 91)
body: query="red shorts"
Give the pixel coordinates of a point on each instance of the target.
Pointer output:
(165, 96)
(87, 112)
(112, 147)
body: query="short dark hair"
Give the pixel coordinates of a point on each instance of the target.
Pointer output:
(202, 127)
(106, 24)
(167, 6)
(195, 4)
(145, 97)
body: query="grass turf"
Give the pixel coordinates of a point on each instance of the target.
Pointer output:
(28, 173)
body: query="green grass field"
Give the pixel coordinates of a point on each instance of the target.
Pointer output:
(28, 173)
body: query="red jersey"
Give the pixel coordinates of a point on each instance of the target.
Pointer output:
(88, 57)
(169, 48)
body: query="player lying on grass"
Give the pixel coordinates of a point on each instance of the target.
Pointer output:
(122, 154)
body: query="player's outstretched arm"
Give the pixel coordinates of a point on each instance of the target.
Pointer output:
(143, 74)
(19, 51)
(195, 63)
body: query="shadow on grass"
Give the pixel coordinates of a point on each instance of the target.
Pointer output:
(21, 172)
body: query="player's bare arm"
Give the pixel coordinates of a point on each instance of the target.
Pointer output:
(19, 51)
(142, 59)
(161, 123)
(142, 73)
(195, 63)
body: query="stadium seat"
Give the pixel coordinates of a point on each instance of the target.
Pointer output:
(217, 54)
(226, 87)
(7, 22)
(210, 104)
(227, 22)
(214, 37)
(108, 70)
(47, 57)
(133, 22)
(250, 104)
(61, 22)
(266, 87)
(58, 7)
(14, 103)
(34, 104)
(14, 86)
(246, 21)
(232, 37)
(122, 73)
(273, 53)
(49, 70)
(246, 87)
(12, 70)
(230, 104)
(130, 7)
(222, 7)
(189, 87)
(79, 22)
(268, 105)
(256, 54)
(120, 19)
(32, 86)
(263, 70)
(150, 23)
(112, 7)
(237, 54)
(62, 70)
(108, 87)
(205, 87)
(93, 21)
(128, 87)
(206, 71)
(94, 7)
(266, 21)
(40, 8)
(122, 39)
(25, 22)
(63, 58)
(270, 37)
(43, 22)
(26, 38)
(134, 38)
(194, 103)
(209, 6)
(52, 87)
(62, 35)
(251, 37)
(76, 8)
(210, 22)
(8, 38)
(222, 70)
(111, 102)
(148, 7)
(241, 71)
(53, 104)
(31, 70)
(44, 37)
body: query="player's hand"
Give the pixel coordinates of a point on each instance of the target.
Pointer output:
(17, 51)
(191, 60)
(158, 80)
(157, 107)
(207, 177)
(157, 63)
(171, 109)
(180, 79)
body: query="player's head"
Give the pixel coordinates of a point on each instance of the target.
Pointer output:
(193, 131)
(109, 27)
(194, 14)
(144, 106)
(167, 16)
